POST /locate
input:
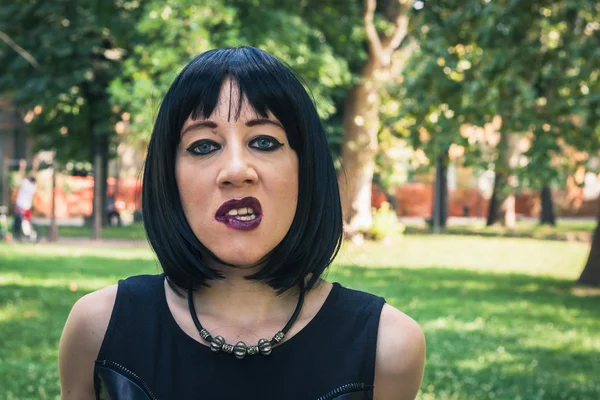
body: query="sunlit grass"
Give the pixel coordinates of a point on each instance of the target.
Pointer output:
(501, 316)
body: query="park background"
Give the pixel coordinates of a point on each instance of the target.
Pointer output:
(467, 132)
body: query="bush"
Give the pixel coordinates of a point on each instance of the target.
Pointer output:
(385, 224)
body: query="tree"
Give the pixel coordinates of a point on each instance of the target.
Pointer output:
(535, 65)
(519, 61)
(79, 48)
(361, 123)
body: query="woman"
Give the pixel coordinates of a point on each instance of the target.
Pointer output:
(241, 207)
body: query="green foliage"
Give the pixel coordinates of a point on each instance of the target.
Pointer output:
(385, 224)
(166, 38)
(79, 47)
(527, 62)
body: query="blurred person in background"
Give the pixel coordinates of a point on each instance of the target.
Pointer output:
(22, 212)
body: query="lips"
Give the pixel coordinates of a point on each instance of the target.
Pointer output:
(233, 221)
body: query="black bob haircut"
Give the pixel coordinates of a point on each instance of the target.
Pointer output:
(315, 235)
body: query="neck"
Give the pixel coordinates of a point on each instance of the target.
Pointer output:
(244, 302)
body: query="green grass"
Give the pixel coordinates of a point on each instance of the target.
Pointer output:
(130, 232)
(569, 230)
(501, 316)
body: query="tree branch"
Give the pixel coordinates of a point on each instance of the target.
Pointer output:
(373, 40)
(382, 49)
(402, 55)
(22, 52)
(401, 29)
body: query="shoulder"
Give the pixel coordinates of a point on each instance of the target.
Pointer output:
(90, 315)
(81, 340)
(400, 356)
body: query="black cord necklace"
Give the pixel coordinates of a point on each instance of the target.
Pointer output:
(240, 350)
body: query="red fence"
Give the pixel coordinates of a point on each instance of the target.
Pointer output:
(416, 200)
(74, 195)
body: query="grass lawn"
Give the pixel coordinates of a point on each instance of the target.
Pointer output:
(565, 229)
(501, 316)
(134, 231)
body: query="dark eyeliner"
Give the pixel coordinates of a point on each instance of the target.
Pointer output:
(193, 147)
(276, 144)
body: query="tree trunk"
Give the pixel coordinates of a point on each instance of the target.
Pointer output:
(591, 272)
(440, 201)
(104, 166)
(547, 215)
(359, 148)
(53, 228)
(98, 125)
(502, 203)
(361, 115)
(97, 215)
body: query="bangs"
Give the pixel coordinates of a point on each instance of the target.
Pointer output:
(259, 80)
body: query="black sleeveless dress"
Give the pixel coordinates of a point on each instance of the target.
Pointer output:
(146, 355)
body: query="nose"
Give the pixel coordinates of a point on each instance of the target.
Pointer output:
(236, 170)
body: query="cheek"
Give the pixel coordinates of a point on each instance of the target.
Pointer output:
(287, 187)
(187, 183)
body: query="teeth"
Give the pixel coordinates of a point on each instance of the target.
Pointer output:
(246, 217)
(241, 211)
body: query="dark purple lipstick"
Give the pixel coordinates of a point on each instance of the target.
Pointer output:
(244, 222)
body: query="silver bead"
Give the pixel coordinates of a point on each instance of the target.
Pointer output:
(264, 346)
(278, 336)
(217, 344)
(252, 350)
(240, 350)
(227, 348)
(204, 334)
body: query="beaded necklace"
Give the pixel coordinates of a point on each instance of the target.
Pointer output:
(240, 350)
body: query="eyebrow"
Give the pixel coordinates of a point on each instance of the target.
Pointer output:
(263, 121)
(200, 125)
(249, 123)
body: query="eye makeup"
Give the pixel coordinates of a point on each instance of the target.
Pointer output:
(203, 147)
(265, 143)
(262, 143)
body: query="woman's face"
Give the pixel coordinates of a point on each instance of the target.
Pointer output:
(238, 180)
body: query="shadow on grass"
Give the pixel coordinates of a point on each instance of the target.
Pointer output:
(31, 322)
(501, 336)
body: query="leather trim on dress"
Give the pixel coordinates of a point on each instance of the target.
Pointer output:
(112, 381)
(350, 391)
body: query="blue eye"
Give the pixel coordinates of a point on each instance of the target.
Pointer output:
(265, 143)
(203, 147)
